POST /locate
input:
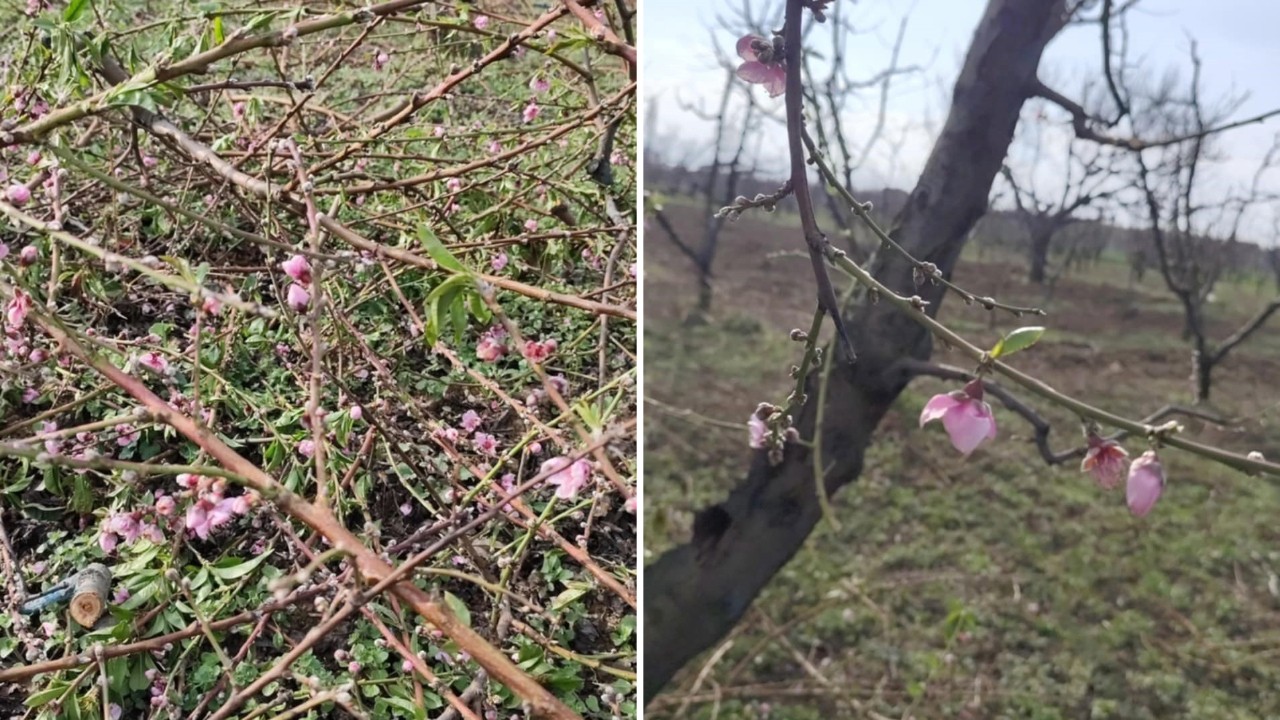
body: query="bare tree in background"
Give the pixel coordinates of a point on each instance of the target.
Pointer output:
(1194, 236)
(1086, 178)
(718, 185)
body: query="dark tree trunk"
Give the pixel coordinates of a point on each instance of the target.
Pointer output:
(1039, 254)
(696, 593)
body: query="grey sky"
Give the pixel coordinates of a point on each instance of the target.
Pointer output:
(1236, 38)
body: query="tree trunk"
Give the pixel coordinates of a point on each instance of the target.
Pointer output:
(1039, 255)
(697, 592)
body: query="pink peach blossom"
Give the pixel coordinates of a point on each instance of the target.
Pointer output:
(1105, 460)
(760, 65)
(298, 298)
(1146, 483)
(967, 419)
(18, 194)
(569, 477)
(298, 268)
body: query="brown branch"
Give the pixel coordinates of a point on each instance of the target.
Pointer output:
(1080, 120)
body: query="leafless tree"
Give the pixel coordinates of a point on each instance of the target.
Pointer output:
(1082, 180)
(1194, 234)
(718, 184)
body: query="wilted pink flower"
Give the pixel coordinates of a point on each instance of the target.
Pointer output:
(298, 268)
(1105, 460)
(17, 309)
(498, 262)
(485, 443)
(481, 22)
(967, 419)
(107, 541)
(205, 515)
(763, 64)
(165, 505)
(298, 298)
(1146, 483)
(569, 477)
(757, 432)
(18, 194)
(492, 344)
(38, 355)
(307, 448)
(154, 361)
(33, 157)
(535, 351)
(530, 111)
(531, 225)
(237, 110)
(470, 420)
(380, 60)
(121, 596)
(539, 84)
(128, 435)
(125, 525)
(30, 395)
(149, 161)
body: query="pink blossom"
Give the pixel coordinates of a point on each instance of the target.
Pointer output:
(354, 667)
(307, 448)
(539, 84)
(470, 420)
(17, 309)
(52, 445)
(380, 60)
(149, 161)
(485, 443)
(439, 131)
(125, 525)
(453, 184)
(4, 251)
(298, 268)
(535, 448)
(569, 477)
(128, 435)
(498, 262)
(967, 419)
(30, 395)
(531, 225)
(152, 532)
(237, 110)
(205, 515)
(154, 361)
(481, 22)
(1106, 461)
(535, 351)
(211, 305)
(631, 503)
(165, 505)
(33, 157)
(107, 541)
(761, 65)
(121, 596)
(38, 355)
(559, 383)
(298, 298)
(1146, 483)
(757, 432)
(18, 194)
(531, 111)
(495, 147)
(356, 412)
(187, 480)
(406, 509)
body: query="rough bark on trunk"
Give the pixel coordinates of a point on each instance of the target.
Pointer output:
(695, 593)
(1039, 255)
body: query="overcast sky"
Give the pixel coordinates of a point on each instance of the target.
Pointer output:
(1237, 40)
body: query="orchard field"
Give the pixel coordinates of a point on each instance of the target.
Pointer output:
(995, 586)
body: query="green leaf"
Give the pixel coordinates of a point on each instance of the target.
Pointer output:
(458, 607)
(219, 35)
(575, 591)
(229, 569)
(74, 10)
(438, 251)
(1019, 339)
